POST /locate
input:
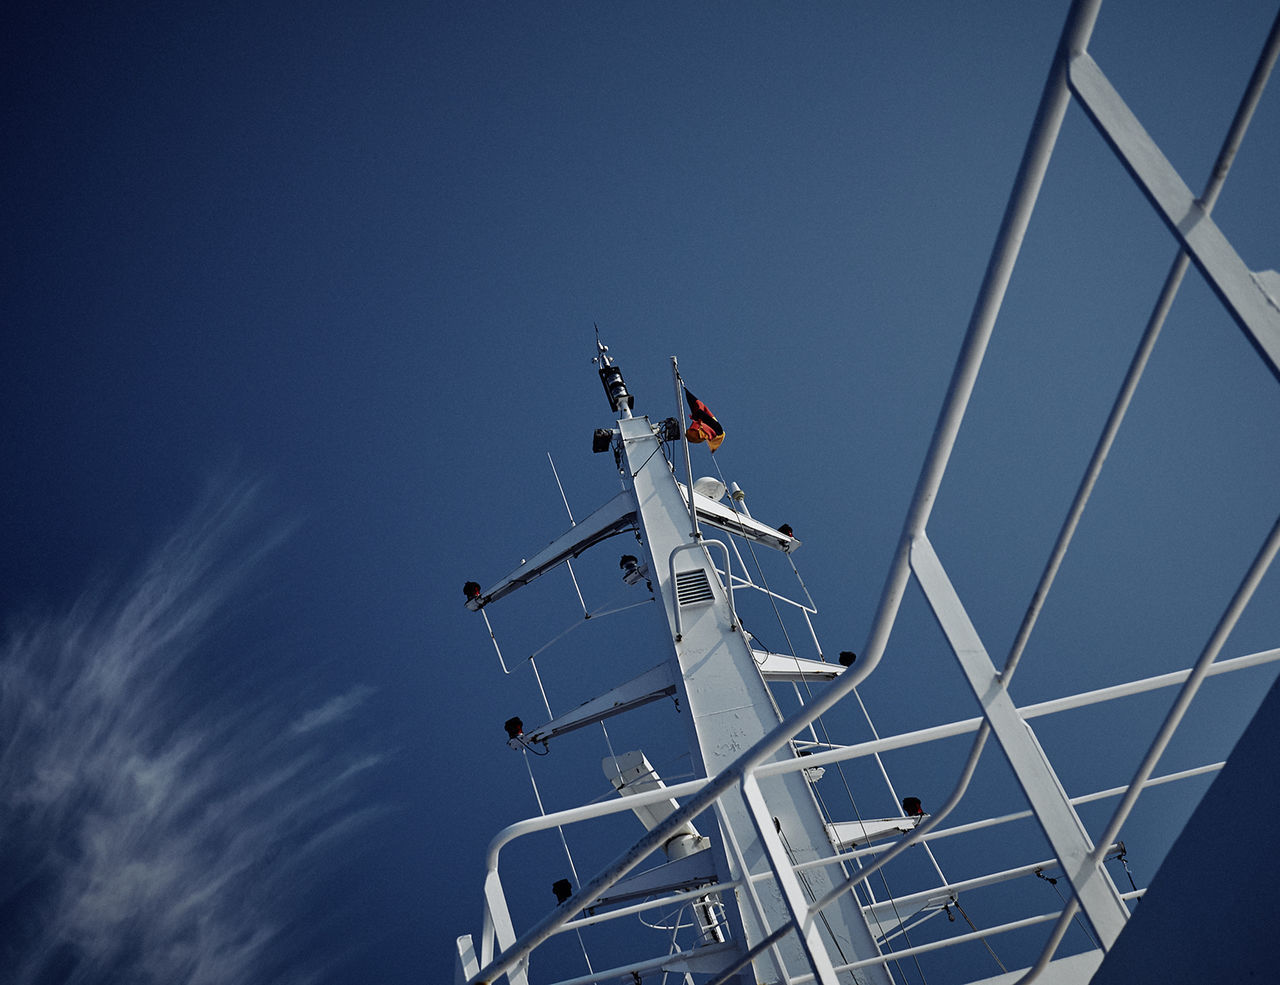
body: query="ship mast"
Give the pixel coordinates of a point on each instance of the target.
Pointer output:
(712, 670)
(729, 708)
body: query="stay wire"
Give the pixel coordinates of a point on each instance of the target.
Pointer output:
(809, 690)
(646, 461)
(1123, 858)
(804, 881)
(1054, 883)
(821, 724)
(581, 601)
(537, 796)
(956, 903)
(826, 813)
(875, 733)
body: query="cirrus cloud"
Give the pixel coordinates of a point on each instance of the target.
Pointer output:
(156, 828)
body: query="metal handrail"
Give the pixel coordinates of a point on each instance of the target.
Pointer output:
(1049, 117)
(691, 788)
(728, 581)
(887, 743)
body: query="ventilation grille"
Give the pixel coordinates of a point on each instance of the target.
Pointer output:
(692, 587)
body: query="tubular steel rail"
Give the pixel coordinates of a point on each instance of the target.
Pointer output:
(496, 911)
(1073, 75)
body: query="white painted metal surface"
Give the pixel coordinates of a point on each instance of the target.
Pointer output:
(788, 892)
(1049, 802)
(729, 709)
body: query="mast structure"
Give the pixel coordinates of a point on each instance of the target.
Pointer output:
(773, 900)
(717, 677)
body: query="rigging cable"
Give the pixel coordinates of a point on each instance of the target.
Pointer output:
(956, 903)
(826, 735)
(581, 601)
(884, 936)
(1123, 858)
(646, 461)
(804, 881)
(567, 854)
(1054, 883)
(889, 783)
(537, 796)
(538, 677)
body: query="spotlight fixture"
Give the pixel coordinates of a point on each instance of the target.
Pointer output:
(633, 572)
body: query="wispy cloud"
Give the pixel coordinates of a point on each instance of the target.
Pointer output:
(333, 710)
(154, 827)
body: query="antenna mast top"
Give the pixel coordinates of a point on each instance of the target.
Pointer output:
(611, 377)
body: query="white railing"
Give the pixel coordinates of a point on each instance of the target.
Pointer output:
(695, 793)
(1073, 75)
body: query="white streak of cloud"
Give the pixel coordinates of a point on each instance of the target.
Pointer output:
(333, 710)
(147, 837)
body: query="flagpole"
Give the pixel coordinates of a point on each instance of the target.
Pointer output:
(684, 442)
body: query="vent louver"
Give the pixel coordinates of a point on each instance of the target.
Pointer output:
(692, 587)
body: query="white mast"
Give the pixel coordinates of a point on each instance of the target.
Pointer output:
(729, 707)
(711, 669)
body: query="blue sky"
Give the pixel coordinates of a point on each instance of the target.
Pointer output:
(298, 299)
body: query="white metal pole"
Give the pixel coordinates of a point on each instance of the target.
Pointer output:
(684, 444)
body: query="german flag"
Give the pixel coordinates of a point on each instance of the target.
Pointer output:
(703, 425)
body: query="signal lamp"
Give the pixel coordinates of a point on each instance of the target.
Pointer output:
(633, 572)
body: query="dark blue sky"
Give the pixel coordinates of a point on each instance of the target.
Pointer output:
(352, 258)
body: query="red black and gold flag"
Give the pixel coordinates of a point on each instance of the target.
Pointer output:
(703, 425)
